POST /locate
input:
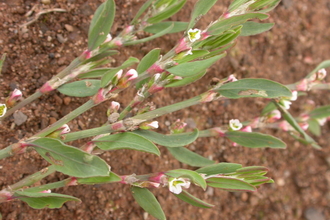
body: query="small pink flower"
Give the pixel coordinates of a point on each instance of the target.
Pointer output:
(208, 96)
(182, 46)
(46, 191)
(128, 29)
(131, 74)
(155, 68)
(108, 39)
(274, 116)
(247, 129)
(304, 125)
(321, 74)
(231, 78)
(114, 106)
(65, 129)
(302, 85)
(235, 124)
(285, 126)
(87, 54)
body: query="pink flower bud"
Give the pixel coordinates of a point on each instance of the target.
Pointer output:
(108, 39)
(247, 129)
(302, 85)
(87, 54)
(99, 96)
(73, 181)
(155, 88)
(131, 75)
(274, 116)
(114, 107)
(231, 78)
(128, 29)
(218, 132)
(182, 46)
(149, 125)
(65, 129)
(304, 125)
(46, 88)
(285, 126)
(46, 191)
(155, 68)
(321, 74)
(208, 96)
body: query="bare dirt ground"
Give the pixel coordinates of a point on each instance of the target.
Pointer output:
(299, 41)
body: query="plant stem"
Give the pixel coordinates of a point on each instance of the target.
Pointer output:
(33, 178)
(139, 118)
(21, 104)
(6, 152)
(75, 113)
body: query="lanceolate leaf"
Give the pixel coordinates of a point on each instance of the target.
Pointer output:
(127, 140)
(141, 10)
(185, 196)
(95, 73)
(230, 184)
(253, 28)
(254, 140)
(321, 112)
(70, 160)
(288, 117)
(314, 127)
(148, 202)
(44, 200)
(101, 24)
(228, 23)
(194, 67)
(171, 140)
(99, 179)
(81, 88)
(177, 27)
(254, 88)
(186, 156)
(192, 175)
(168, 12)
(187, 80)
(148, 60)
(201, 8)
(220, 168)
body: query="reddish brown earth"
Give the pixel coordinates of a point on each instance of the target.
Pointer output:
(297, 43)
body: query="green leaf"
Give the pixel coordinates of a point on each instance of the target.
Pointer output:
(168, 12)
(252, 170)
(220, 168)
(81, 88)
(227, 24)
(100, 179)
(254, 140)
(101, 24)
(268, 108)
(141, 10)
(44, 200)
(193, 67)
(170, 140)
(254, 88)
(95, 73)
(70, 160)
(148, 60)
(100, 56)
(267, 5)
(236, 4)
(222, 40)
(148, 202)
(314, 127)
(254, 28)
(187, 80)
(156, 28)
(201, 8)
(230, 184)
(185, 196)
(288, 117)
(195, 55)
(321, 112)
(143, 40)
(127, 140)
(186, 156)
(192, 175)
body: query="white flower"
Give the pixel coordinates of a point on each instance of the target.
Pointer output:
(175, 185)
(321, 121)
(294, 96)
(235, 124)
(3, 109)
(194, 34)
(285, 103)
(65, 129)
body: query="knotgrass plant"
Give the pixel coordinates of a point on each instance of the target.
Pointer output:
(185, 63)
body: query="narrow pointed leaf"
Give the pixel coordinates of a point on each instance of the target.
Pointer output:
(227, 24)
(44, 200)
(187, 197)
(83, 88)
(314, 127)
(2, 60)
(196, 54)
(99, 179)
(194, 67)
(156, 28)
(230, 184)
(127, 140)
(192, 175)
(141, 10)
(186, 156)
(95, 73)
(187, 80)
(101, 24)
(220, 168)
(170, 140)
(321, 112)
(254, 88)
(70, 160)
(254, 139)
(148, 202)
(168, 12)
(288, 117)
(143, 40)
(148, 60)
(201, 8)
(254, 28)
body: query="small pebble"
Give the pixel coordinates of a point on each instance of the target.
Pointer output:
(68, 27)
(67, 100)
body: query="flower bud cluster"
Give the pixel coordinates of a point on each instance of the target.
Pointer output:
(307, 83)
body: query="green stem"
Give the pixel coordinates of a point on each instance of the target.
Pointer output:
(27, 181)
(6, 152)
(75, 113)
(139, 118)
(49, 186)
(21, 104)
